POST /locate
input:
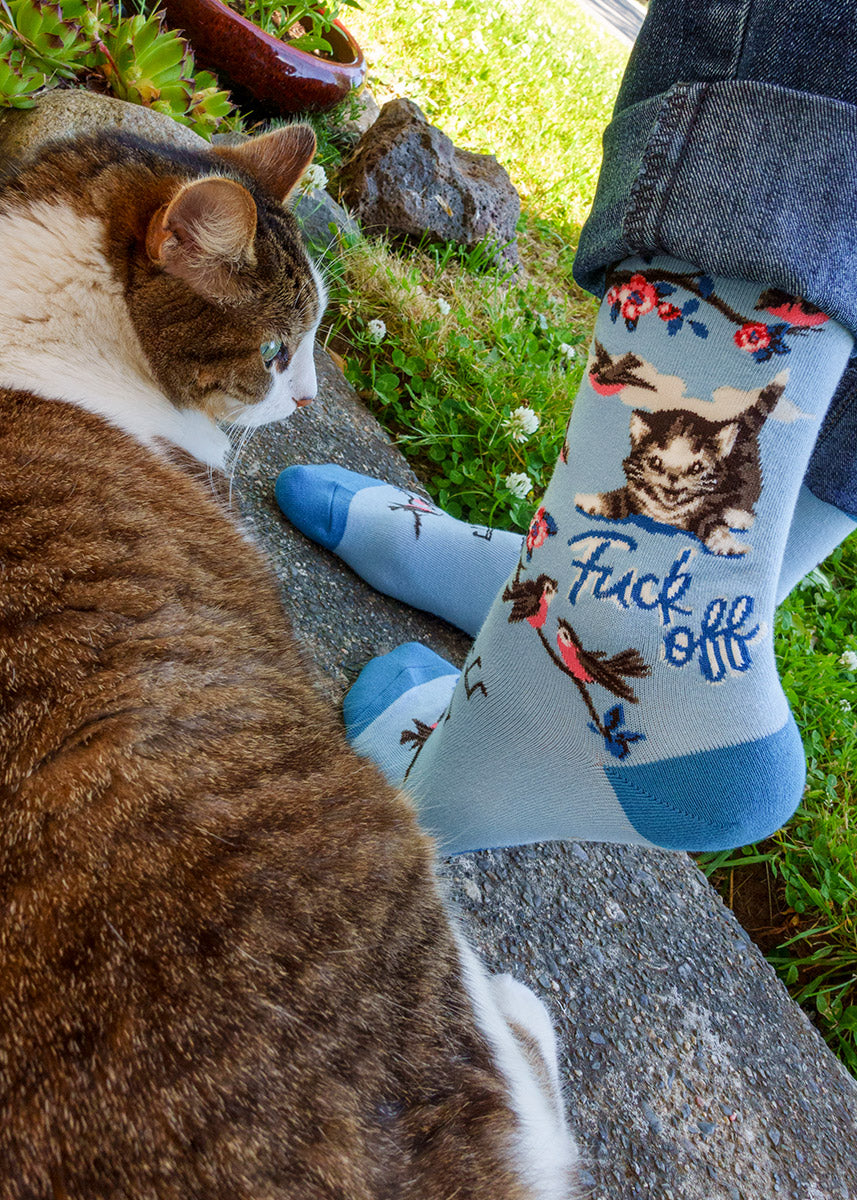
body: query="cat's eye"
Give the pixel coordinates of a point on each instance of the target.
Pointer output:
(270, 350)
(696, 468)
(656, 463)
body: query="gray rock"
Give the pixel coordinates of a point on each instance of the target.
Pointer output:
(365, 113)
(321, 219)
(64, 112)
(406, 177)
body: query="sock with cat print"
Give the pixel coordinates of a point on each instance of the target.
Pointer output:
(399, 543)
(452, 575)
(623, 686)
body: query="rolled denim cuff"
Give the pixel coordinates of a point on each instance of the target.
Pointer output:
(751, 181)
(741, 178)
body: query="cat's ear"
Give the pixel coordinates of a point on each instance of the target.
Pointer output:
(205, 234)
(276, 160)
(640, 426)
(725, 438)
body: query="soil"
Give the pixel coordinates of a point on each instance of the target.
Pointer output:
(758, 901)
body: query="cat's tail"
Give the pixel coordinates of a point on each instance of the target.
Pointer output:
(769, 397)
(518, 1029)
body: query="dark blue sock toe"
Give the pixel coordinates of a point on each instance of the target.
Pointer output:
(384, 679)
(316, 499)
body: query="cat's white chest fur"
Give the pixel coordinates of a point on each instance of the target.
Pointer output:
(65, 332)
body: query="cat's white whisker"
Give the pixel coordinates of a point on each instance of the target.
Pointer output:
(246, 432)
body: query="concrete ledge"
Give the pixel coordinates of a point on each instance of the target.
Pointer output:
(689, 1072)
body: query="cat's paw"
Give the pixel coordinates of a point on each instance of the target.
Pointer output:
(590, 503)
(739, 518)
(722, 541)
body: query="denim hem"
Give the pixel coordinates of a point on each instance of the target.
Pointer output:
(741, 178)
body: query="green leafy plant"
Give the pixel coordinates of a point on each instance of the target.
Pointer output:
(304, 25)
(42, 45)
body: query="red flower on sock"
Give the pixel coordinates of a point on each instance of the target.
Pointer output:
(633, 299)
(668, 312)
(752, 337)
(541, 528)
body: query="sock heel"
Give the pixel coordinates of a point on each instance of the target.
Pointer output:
(716, 799)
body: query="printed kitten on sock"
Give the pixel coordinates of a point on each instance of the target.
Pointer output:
(686, 469)
(225, 969)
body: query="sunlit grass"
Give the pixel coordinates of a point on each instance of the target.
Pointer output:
(532, 84)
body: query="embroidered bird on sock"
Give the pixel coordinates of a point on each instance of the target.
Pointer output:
(592, 666)
(530, 599)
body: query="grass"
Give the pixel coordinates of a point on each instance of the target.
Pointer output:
(448, 383)
(461, 351)
(463, 348)
(533, 84)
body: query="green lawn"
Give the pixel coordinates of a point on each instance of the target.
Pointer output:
(463, 349)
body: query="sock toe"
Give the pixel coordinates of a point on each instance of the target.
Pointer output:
(316, 499)
(385, 678)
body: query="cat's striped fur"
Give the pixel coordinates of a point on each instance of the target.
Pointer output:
(225, 970)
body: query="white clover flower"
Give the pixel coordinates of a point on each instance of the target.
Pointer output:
(567, 351)
(519, 484)
(313, 177)
(845, 705)
(443, 307)
(521, 424)
(541, 319)
(848, 660)
(377, 330)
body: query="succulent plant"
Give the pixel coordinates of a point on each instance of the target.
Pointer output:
(38, 43)
(140, 61)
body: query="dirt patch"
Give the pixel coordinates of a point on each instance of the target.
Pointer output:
(757, 899)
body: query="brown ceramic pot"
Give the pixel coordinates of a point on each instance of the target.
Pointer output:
(279, 78)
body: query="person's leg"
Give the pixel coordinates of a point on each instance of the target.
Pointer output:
(457, 572)
(401, 545)
(817, 528)
(726, 122)
(623, 687)
(826, 511)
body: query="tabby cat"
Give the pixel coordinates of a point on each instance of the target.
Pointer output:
(694, 474)
(225, 969)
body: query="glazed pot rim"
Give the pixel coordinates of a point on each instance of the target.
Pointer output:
(345, 37)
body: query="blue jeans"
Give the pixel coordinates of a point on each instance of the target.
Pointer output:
(733, 145)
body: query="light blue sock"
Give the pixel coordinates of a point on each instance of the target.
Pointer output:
(401, 545)
(816, 530)
(623, 687)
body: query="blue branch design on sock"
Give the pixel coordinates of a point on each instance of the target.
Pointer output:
(635, 294)
(617, 739)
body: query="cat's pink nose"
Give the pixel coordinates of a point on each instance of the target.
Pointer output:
(303, 403)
